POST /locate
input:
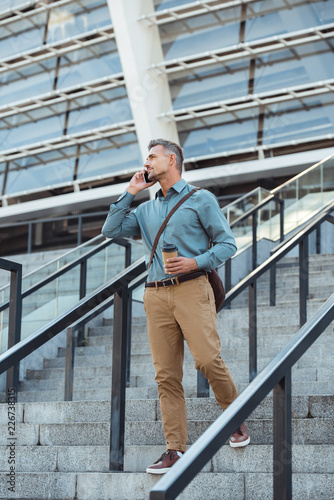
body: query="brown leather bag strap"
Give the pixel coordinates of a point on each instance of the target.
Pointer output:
(164, 224)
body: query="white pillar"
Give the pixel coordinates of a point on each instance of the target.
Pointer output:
(139, 46)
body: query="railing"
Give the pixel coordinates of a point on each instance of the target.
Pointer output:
(253, 213)
(118, 290)
(80, 262)
(74, 329)
(277, 376)
(31, 224)
(117, 287)
(14, 323)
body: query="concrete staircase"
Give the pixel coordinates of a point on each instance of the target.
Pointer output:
(61, 450)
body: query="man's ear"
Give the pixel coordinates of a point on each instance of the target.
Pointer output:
(172, 158)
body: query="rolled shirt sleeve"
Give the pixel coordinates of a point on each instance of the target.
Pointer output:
(119, 221)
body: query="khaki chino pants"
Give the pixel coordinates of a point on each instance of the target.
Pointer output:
(185, 310)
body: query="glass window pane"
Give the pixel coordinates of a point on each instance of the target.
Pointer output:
(210, 84)
(73, 19)
(33, 132)
(26, 179)
(11, 4)
(293, 120)
(227, 134)
(85, 65)
(116, 159)
(21, 36)
(36, 82)
(99, 115)
(314, 62)
(200, 33)
(169, 4)
(273, 17)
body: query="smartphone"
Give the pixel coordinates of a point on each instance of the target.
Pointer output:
(146, 179)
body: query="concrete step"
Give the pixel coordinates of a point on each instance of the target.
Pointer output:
(151, 392)
(84, 373)
(142, 379)
(254, 458)
(269, 336)
(304, 431)
(105, 360)
(274, 320)
(63, 412)
(136, 486)
(141, 352)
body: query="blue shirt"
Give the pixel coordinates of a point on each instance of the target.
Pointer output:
(191, 227)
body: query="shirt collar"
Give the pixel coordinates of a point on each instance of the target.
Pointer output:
(178, 187)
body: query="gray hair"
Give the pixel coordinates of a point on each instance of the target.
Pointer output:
(170, 147)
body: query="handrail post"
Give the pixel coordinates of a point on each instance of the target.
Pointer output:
(116, 456)
(272, 284)
(282, 437)
(128, 251)
(69, 364)
(82, 294)
(29, 250)
(79, 238)
(14, 320)
(228, 278)
(254, 243)
(203, 388)
(303, 281)
(318, 240)
(252, 328)
(281, 219)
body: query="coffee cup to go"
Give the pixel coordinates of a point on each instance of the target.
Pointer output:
(168, 250)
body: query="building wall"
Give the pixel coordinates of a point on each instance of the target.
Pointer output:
(83, 85)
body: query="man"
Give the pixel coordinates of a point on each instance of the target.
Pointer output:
(183, 308)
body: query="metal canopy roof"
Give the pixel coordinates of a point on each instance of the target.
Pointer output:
(252, 49)
(299, 93)
(28, 9)
(182, 12)
(58, 96)
(44, 52)
(68, 140)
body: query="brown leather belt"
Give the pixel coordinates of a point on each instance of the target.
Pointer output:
(174, 281)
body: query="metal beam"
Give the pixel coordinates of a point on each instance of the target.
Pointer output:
(44, 52)
(190, 10)
(267, 147)
(63, 95)
(13, 15)
(251, 49)
(249, 101)
(68, 140)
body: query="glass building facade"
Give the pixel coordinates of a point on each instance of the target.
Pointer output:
(248, 80)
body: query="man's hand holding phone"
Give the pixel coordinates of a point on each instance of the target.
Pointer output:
(139, 182)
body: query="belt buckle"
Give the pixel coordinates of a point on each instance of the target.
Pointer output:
(172, 282)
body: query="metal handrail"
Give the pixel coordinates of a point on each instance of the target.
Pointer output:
(119, 287)
(88, 303)
(276, 375)
(14, 320)
(80, 323)
(57, 259)
(68, 267)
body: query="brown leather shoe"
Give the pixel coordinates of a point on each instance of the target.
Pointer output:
(240, 438)
(165, 462)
